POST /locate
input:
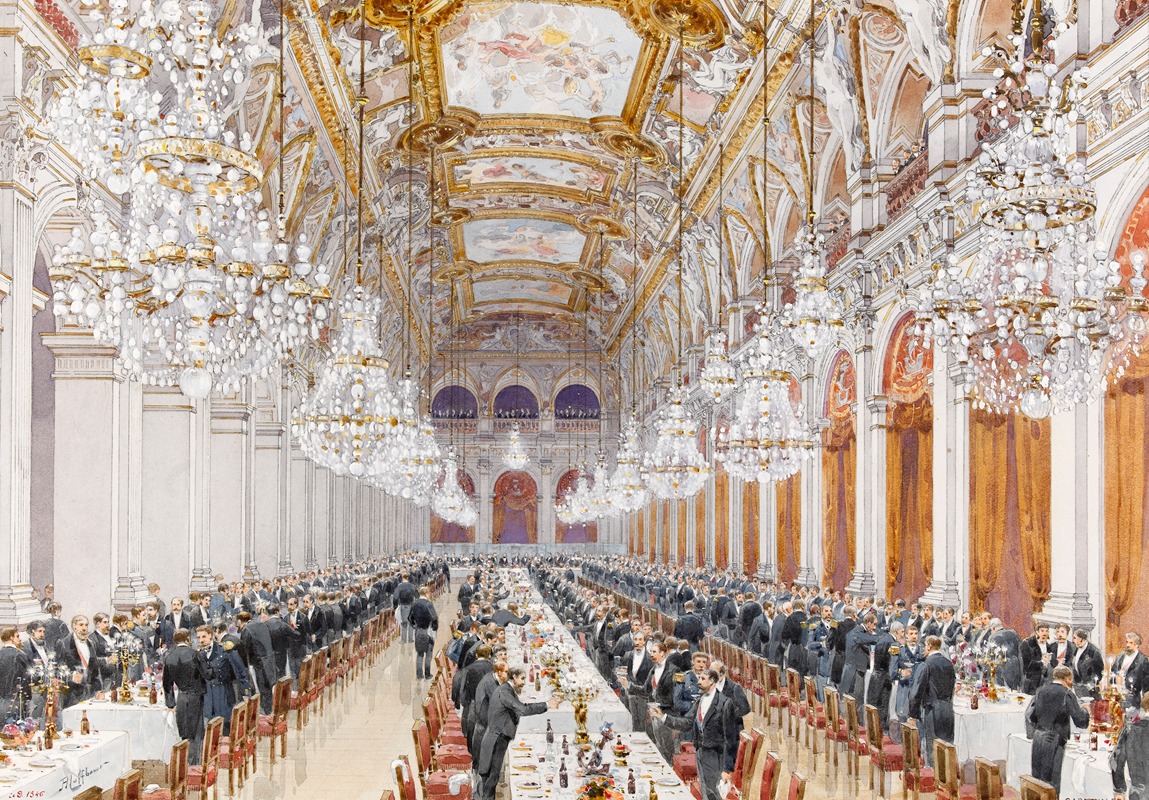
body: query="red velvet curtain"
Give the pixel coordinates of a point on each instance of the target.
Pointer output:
(700, 528)
(750, 542)
(721, 519)
(839, 473)
(789, 526)
(909, 498)
(681, 549)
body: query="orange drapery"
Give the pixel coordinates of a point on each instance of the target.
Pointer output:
(700, 528)
(666, 552)
(750, 528)
(839, 472)
(1126, 525)
(641, 532)
(652, 526)
(681, 549)
(909, 498)
(789, 527)
(721, 519)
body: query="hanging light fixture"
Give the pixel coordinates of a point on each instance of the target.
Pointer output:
(815, 318)
(1045, 318)
(675, 468)
(718, 374)
(203, 289)
(516, 455)
(351, 419)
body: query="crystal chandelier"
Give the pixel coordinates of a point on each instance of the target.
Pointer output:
(717, 376)
(626, 483)
(601, 497)
(203, 288)
(516, 455)
(1044, 319)
(675, 468)
(450, 501)
(410, 466)
(345, 421)
(815, 318)
(767, 440)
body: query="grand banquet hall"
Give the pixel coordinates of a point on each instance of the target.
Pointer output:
(797, 334)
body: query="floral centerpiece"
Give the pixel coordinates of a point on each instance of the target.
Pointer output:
(964, 660)
(599, 787)
(989, 657)
(580, 690)
(20, 731)
(552, 656)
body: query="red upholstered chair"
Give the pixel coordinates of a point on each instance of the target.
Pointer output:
(205, 775)
(234, 758)
(815, 717)
(776, 696)
(177, 775)
(915, 777)
(251, 735)
(404, 779)
(423, 757)
(129, 786)
(299, 698)
(797, 790)
(274, 725)
(989, 785)
(685, 763)
(836, 732)
(771, 774)
(746, 743)
(757, 686)
(885, 754)
(947, 774)
(856, 742)
(439, 786)
(796, 711)
(1033, 789)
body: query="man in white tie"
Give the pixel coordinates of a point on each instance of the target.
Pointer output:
(75, 652)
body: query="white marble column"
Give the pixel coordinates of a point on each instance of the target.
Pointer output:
(735, 526)
(870, 485)
(301, 480)
(93, 470)
(711, 531)
(1077, 518)
(232, 481)
(950, 580)
(174, 491)
(691, 532)
(484, 531)
(17, 261)
(811, 566)
(767, 530)
(270, 552)
(322, 483)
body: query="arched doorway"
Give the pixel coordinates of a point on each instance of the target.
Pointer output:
(515, 509)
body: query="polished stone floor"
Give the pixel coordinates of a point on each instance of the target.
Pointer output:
(346, 752)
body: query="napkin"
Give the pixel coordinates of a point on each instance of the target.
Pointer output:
(1078, 775)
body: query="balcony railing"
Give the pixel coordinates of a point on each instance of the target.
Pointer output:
(906, 185)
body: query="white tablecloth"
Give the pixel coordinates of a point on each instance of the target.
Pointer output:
(151, 729)
(525, 752)
(606, 707)
(1084, 774)
(97, 760)
(986, 732)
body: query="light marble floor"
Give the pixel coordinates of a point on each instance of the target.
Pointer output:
(346, 753)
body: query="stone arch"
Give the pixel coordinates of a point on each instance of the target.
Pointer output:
(514, 507)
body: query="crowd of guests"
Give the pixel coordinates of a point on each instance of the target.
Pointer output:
(212, 650)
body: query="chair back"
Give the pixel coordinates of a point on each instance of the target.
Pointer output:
(833, 716)
(911, 748)
(422, 739)
(988, 779)
(851, 717)
(1033, 789)
(403, 778)
(431, 717)
(745, 754)
(946, 768)
(129, 786)
(797, 789)
(773, 678)
(212, 733)
(280, 700)
(387, 795)
(178, 771)
(754, 765)
(873, 729)
(771, 773)
(794, 686)
(91, 793)
(811, 699)
(238, 725)
(252, 715)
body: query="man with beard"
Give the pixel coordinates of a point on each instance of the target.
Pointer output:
(188, 672)
(1050, 712)
(932, 698)
(504, 710)
(226, 671)
(256, 642)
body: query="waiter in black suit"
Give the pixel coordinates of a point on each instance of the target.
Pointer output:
(255, 640)
(712, 721)
(504, 710)
(187, 671)
(1052, 709)
(1034, 653)
(638, 665)
(659, 690)
(76, 652)
(1131, 669)
(15, 686)
(316, 624)
(689, 626)
(932, 698)
(1086, 662)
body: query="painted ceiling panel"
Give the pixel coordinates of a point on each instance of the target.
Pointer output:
(513, 239)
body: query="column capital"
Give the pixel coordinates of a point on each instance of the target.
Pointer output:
(79, 356)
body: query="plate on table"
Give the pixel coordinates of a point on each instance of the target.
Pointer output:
(72, 746)
(528, 785)
(667, 782)
(8, 778)
(42, 763)
(522, 748)
(525, 767)
(652, 760)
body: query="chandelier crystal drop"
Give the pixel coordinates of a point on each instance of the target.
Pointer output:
(410, 466)
(626, 483)
(816, 316)
(346, 421)
(767, 440)
(1044, 318)
(675, 467)
(516, 455)
(717, 376)
(200, 287)
(449, 501)
(601, 497)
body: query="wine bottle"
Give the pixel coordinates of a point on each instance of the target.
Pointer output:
(563, 773)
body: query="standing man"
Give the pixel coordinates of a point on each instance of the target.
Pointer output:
(1086, 662)
(188, 672)
(405, 596)
(316, 624)
(15, 686)
(226, 670)
(1132, 749)
(78, 654)
(504, 710)
(715, 733)
(932, 698)
(256, 642)
(1034, 653)
(1132, 670)
(1050, 712)
(297, 647)
(425, 620)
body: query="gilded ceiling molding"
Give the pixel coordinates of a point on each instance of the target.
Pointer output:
(856, 62)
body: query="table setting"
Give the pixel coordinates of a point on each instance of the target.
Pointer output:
(151, 728)
(1084, 772)
(73, 764)
(614, 767)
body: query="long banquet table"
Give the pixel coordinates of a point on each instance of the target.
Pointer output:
(606, 707)
(532, 775)
(151, 729)
(75, 763)
(986, 732)
(1084, 773)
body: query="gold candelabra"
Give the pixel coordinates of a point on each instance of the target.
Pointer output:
(49, 679)
(990, 658)
(126, 653)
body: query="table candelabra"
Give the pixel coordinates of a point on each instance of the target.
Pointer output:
(126, 653)
(990, 658)
(50, 679)
(580, 694)
(1108, 711)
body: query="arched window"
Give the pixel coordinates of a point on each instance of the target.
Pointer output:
(576, 402)
(516, 402)
(454, 402)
